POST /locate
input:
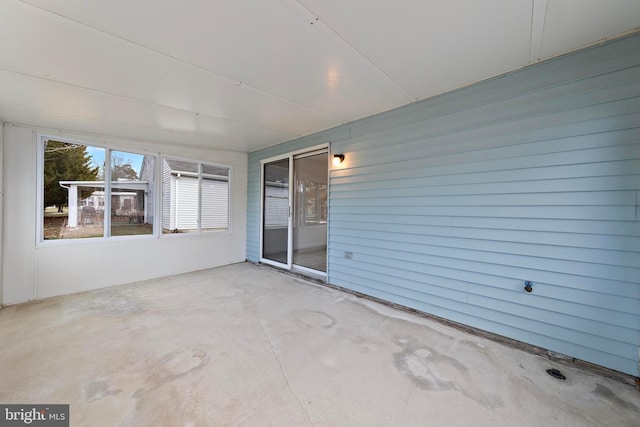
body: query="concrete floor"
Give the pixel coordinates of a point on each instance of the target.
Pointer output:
(243, 345)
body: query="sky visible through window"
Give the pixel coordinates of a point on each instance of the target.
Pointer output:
(97, 158)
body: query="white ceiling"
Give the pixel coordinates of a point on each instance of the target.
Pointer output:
(245, 74)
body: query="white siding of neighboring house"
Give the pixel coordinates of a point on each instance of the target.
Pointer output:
(277, 207)
(185, 207)
(180, 201)
(147, 174)
(215, 196)
(167, 197)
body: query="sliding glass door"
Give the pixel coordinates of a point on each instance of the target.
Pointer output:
(310, 211)
(294, 211)
(276, 212)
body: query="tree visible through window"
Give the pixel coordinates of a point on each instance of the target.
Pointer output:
(89, 192)
(70, 181)
(75, 188)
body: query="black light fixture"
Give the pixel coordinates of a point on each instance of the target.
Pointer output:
(337, 159)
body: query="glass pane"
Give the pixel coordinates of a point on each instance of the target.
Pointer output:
(219, 171)
(310, 225)
(132, 182)
(73, 191)
(179, 196)
(215, 198)
(276, 211)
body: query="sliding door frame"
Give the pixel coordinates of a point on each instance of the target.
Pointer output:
(263, 164)
(290, 158)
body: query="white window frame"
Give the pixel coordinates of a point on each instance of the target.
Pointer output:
(41, 138)
(198, 231)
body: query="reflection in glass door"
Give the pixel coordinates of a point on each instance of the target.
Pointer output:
(310, 211)
(276, 218)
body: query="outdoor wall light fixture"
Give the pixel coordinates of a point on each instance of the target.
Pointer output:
(337, 159)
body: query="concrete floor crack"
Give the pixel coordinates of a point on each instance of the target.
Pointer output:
(275, 355)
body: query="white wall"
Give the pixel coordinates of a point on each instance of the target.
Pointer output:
(1, 209)
(32, 270)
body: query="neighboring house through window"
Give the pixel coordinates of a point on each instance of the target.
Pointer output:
(97, 192)
(195, 196)
(77, 180)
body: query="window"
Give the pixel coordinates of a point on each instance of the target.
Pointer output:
(312, 197)
(81, 182)
(99, 192)
(195, 196)
(132, 184)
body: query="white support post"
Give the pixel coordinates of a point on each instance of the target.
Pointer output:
(73, 206)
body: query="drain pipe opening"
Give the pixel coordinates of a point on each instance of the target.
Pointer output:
(556, 374)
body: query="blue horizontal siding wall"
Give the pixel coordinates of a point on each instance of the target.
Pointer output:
(449, 204)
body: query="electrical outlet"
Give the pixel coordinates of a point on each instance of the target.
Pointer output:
(348, 255)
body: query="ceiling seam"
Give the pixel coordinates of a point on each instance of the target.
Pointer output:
(362, 55)
(538, 25)
(544, 26)
(128, 98)
(531, 29)
(175, 58)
